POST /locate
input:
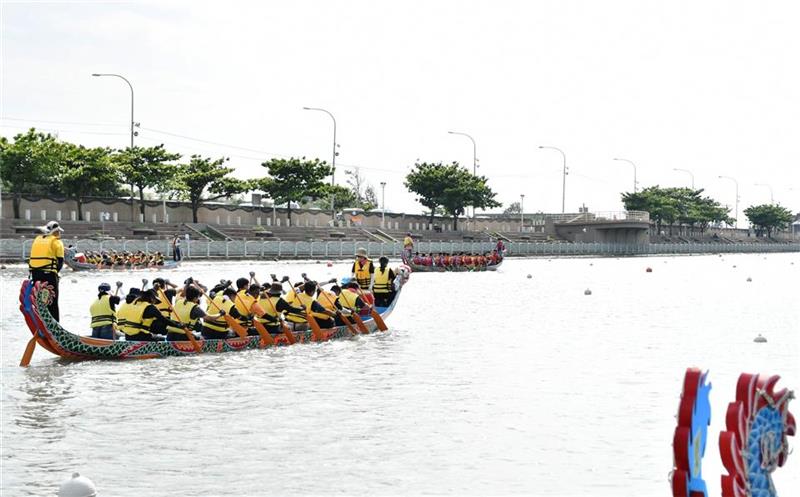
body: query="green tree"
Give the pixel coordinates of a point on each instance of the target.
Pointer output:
(514, 208)
(684, 206)
(343, 197)
(768, 217)
(82, 172)
(428, 180)
(294, 179)
(203, 179)
(464, 189)
(28, 164)
(147, 167)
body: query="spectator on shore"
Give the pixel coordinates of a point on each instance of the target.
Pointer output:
(176, 248)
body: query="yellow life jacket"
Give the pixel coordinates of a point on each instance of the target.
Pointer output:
(45, 252)
(305, 301)
(327, 300)
(219, 324)
(102, 313)
(183, 308)
(129, 318)
(362, 273)
(347, 299)
(270, 307)
(163, 304)
(382, 283)
(243, 304)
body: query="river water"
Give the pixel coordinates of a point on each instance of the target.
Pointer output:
(486, 383)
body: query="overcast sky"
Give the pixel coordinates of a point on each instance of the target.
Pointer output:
(708, 86)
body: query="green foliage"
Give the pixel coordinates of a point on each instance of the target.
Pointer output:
(514, 208)
(343, 197)
(82, 172)
(294, 179)
(683, 206)
(147, 167)
(450, 186)
(28, 164)
(768, 217)
(204, 179)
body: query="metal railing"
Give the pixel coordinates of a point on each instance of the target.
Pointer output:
(19, 249)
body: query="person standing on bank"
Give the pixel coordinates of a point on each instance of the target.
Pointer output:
(176, 248)
(47, 259)
(408, 247)
(363, 269)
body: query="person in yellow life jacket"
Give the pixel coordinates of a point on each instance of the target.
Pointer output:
(189, 314)
(137, 316)
(408, 247)
(349, 299)
(165, 296)
(305, 299)
(217, 328)
(273, 307)
(363, 269)
(103, 311)
(383, 285)
(47, 259)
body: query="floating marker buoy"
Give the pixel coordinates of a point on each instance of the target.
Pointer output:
(749, 279)
(73, 280)
(734, 266)
(760, 339)
(648, 270)
(77, 486)
(529, 276)
(587, 292)
(330, 264)
(591, 264)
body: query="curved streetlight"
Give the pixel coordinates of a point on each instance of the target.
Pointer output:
(685, 171)
(736, 223)
(133, 124)
(771, 195)
(474, 158)
(333, 161)
(564, 175)
(383, 204)
(634, 172)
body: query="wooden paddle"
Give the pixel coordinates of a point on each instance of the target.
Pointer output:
(346, 321)
(119, 285)
(235, 325)
(197, 347)
(377, 317)
(286, 331)
(28, 354)
(266, 338)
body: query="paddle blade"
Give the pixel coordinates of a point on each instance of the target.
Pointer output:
(379, 320)
(26, 356)
(236, 326)
(289, 335)
(347, 323)
(316, 331)
(266, 338)
(197, 347)
(360, 323)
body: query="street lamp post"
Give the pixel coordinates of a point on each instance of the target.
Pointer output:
(736, 222)
(564, 175)
(383, 204)
(474, 158)
(333, 161)
(634, 172)
(133, 124)
(771, 195)
(521, 212)
(685, 171)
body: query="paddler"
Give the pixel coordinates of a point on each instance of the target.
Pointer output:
(166, 292)
(190, 315)
(305, 298)
(47, 259)
(273, 306)
(104, 314)
(217, 328)
(137, 317)
(363, 269)
(383, 286)
(349, 298)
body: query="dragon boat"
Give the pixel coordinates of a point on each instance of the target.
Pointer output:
(50, 335)
(454, 269)
(69, 260)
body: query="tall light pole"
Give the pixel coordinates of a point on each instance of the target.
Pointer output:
(474, 158)
(333, 161)
(564, 175)
(736, 223)
(521, 212)
(133, 124)
(771, 196)
(634, 172)
(685, 171)
(383, 204)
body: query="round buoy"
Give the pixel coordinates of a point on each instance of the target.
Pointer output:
(77, 486)
(529, 276)
(760, 339)
(734, 266)
(749, 279)
(587, 292)
(73, 280)
(330, 264)
(2, 266)
(591, 264)
(648, 270)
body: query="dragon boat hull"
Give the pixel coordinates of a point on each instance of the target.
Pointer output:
(418, 268)
(69, 260)
(34, 298)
